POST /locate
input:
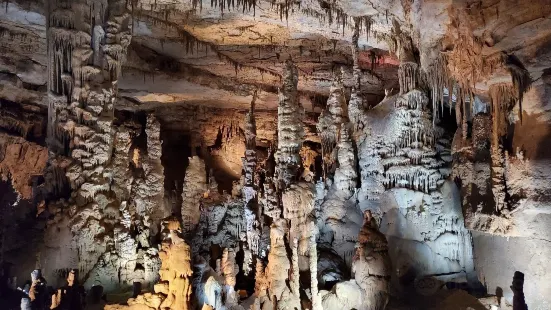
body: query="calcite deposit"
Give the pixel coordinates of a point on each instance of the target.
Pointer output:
(307, 154)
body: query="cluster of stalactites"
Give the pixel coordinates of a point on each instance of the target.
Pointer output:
(408, 73)
(463, 107)
(438, 79)
(521, 80)
(290, 128)
(356, 72)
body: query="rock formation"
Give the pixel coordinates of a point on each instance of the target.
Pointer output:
(371, 265)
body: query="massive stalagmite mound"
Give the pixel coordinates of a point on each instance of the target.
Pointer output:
(307, 154)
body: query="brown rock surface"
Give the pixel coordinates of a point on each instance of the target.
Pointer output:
(20, 161)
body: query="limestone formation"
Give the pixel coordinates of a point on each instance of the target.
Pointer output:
(193, 192)
(174, 288)
(250, 197)
(371, 265)
(330, 121)
(289, 126)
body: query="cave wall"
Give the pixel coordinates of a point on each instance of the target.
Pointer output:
(525, 246)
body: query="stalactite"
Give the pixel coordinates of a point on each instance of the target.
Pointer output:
(521, 79)
(408, 76)
(438, 79)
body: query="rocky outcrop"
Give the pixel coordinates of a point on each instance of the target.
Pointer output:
(20, 161)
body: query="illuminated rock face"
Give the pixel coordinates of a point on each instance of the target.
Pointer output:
(405, 164)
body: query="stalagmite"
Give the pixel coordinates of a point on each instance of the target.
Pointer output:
(295, 277)
(340, 218)
(249, 188)
(298, 204)
(278, 269)
(290, 128)
(82, 95)
(329, 123)
(269, 201)
(346, 175)
(313, 256)
(194, 188)
(371, 266)
(174, 288)
(502, 97)
(175, 273)
(229, 271)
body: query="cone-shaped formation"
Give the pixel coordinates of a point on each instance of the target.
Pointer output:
(371, 265)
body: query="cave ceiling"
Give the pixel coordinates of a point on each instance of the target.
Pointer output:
(217, 54)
